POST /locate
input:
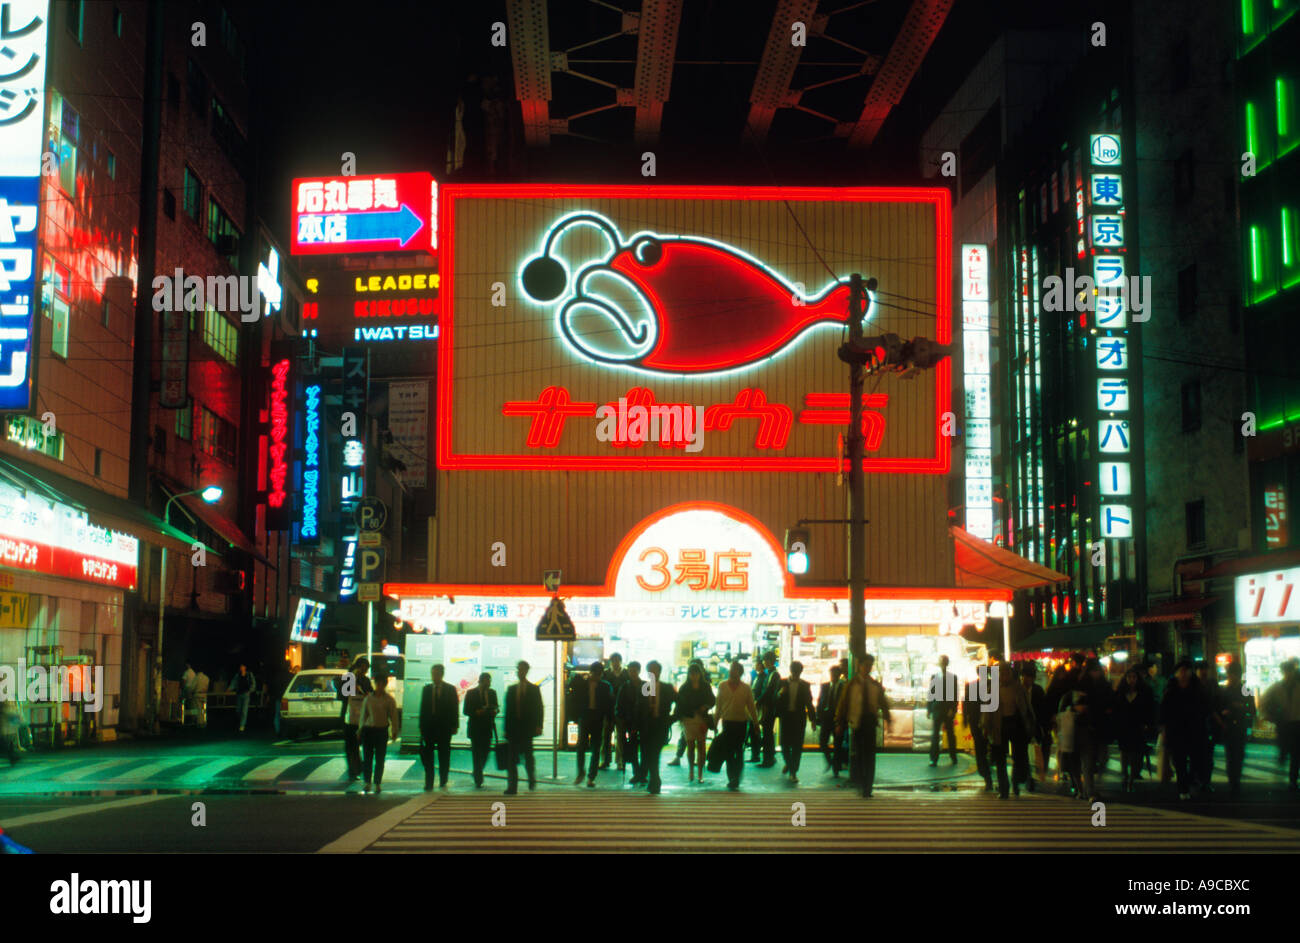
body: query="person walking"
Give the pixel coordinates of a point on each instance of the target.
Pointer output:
(973, 713)
(243, 684)
(1092, 726)
(839, 742)
(735, 708)
(524, 713)
(11, 721)
(759, 684)
(1042, 721)
(380, 723)
(656, 715)
(1234, 714)
(795, 705)
(1135, 711)
(863, 705)
(1203, 754)
(1281, 706)
(1182, 715)
(439, 719)
(352, 692)
(1008, 728)
(694, 701)
(768, 708)
(627, 713)
(615, 675)
(593, 703)
(481, 709)
(941, 708)
(826, 717)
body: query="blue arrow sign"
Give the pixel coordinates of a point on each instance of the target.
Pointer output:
(401, 225)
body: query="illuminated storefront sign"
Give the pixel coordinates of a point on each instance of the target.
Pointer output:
(22, 104)
(1268, 597)
(697, 563)
(975, 336)
(1277, 527)
(60, 541)
(268, 282)
(1106, 236)
(356, 394)
(279, 446)
(378, 213)
(374, 307)
(309, 524)
(622, 292)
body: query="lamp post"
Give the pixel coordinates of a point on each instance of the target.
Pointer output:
(211, 494)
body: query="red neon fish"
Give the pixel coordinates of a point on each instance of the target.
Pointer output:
(717, 310)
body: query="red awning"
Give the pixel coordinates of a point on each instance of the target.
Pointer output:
(1178, 610)
(983, 565)
(1259, 563)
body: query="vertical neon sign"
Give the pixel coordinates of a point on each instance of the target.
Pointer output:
(309, 528)
(979, 438)
(279, 471)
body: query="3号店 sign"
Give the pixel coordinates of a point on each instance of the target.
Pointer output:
(633, 314)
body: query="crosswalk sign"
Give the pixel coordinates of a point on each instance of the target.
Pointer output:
(555, 625)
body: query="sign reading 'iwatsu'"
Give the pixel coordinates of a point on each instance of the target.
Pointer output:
(684, 327)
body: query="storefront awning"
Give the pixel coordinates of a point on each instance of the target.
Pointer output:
(982, 564)
(106, 510)
(1178, 610)
(1068, 638)
(222, 526)
(1259, 563)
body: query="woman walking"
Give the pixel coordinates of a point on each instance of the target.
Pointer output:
(693, 703)
(379, 719)
(1135, 712)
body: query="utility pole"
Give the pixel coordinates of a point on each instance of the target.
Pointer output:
(857, 509)
(903, 357)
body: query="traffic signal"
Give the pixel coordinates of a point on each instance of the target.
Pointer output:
(796, 550)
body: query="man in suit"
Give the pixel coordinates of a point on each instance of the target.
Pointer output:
(971, 708)
(768, 709)
(860, 709)
(439, 719)
(615, 675)
(942, 710)
(524, 714)
(757, 684)
(795, 707)
(592, 701)
(826, 716)
(626, 715)
(481, 709)
(655, 709)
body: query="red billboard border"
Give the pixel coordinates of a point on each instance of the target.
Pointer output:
(938, 197)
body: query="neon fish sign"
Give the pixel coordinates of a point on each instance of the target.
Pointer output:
(704, 306)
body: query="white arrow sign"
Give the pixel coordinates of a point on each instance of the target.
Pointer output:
(551, 580)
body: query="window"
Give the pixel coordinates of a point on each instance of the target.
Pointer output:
(99, 462)
(1191, 405)
(117, 22)
(184, 423)
(69, 137)
(197, 88)
(193, 195)
(1195, 515)
(169, 204)
(221, 335)
(105, 310)
(222, 232)
(1284, 92)
(160, 440)
(1187, 292)
(110, 160)
(213, 435)
(1185, 177)
(227, 133)
(60, 316)
(231, 42)
(77, 19)
(1290, 256)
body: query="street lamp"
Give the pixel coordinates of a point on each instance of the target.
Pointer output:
(211, 494)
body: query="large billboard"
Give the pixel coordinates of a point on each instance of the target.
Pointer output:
(644, 327)
(24, 32)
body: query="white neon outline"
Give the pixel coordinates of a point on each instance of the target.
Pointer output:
(568, 295)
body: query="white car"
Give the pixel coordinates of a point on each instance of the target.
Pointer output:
(310, 703)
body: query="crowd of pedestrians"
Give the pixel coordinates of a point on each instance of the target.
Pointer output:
(625, 716)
